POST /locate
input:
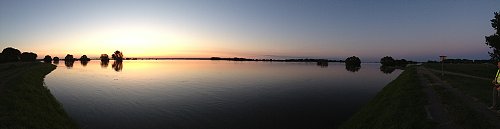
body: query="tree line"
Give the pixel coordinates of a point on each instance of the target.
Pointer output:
(11, 54)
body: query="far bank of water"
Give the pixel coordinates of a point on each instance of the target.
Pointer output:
(213, 94)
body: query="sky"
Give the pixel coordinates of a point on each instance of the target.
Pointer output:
(335, 29)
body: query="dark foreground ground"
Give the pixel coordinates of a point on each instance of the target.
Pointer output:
(420, 98)
(24, 100)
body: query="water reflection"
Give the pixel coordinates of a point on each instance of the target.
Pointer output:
(117, 65)
(213, 94)
(322, 64)
(387, 69)
(352, 68)
(56, 62)
(84, 62)
(104, 63)
(69, 63)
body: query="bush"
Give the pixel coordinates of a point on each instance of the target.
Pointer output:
(10, 55)
(28, 57)
(47, 59)
(353, 61)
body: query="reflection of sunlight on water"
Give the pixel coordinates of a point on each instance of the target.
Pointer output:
(190, 94)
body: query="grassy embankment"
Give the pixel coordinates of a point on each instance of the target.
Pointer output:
(480, 70)
(400, 105)
(24, 100)
(476, 88)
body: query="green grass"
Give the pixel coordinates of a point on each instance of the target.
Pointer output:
(26, 103)
(480, 89)
(477, 88)
(400, 105)
(461, 114)
(480, 70)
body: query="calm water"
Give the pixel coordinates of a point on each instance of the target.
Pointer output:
(213, 94)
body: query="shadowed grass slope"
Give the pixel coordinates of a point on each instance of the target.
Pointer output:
(400, 105)
(26, 103)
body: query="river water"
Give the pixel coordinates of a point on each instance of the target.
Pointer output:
(213, 94)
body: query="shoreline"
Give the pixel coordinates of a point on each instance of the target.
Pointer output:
(400, 104)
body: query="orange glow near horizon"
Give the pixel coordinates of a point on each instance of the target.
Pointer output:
(133, 41)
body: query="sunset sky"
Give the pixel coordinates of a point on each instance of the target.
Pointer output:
(416, 30)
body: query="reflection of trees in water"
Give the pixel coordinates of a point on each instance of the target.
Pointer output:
(322, 63)
(69, 63)
(84, 62)
(104, 63)
(352, 68)
(117, 65)
(387, 69)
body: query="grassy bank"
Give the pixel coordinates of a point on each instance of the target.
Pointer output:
(460, 113)
(24, 100)
(400, 105)
(476, 88)
(480, 70)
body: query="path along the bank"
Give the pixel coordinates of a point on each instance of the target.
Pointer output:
(436, 109)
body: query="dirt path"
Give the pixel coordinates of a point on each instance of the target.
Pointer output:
(435, 110)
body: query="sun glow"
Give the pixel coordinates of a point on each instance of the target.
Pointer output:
(137, 41)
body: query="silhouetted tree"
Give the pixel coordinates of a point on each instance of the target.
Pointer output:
(47, 59)
(401, 63)
(104, 57)
(84, 58)
(28, 57)
(56, 60)
(387, 61)
(494, 40)
(2, 60)
(118, 56)
(353, 61)
(69, 58)
(10, 55)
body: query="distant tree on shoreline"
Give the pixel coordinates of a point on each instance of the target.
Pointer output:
(56, 59)
(493, 41)
(28, 57)
(104, 57)
(10, 54)
(69, 58)
(353, 61)
(118, 56)
(388, 61)
(47, 59)
(84, 58)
